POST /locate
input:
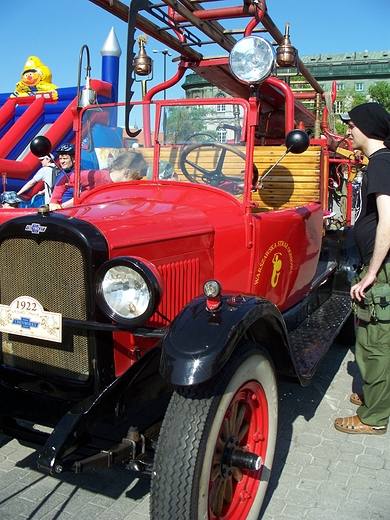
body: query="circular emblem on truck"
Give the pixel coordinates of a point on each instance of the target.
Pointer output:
(276, 260)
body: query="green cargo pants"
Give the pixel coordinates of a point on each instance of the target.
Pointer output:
(373, 359)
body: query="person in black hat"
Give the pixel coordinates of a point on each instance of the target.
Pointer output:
(369, 131)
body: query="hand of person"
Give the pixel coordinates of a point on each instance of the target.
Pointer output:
(357, 290)
(53, 206)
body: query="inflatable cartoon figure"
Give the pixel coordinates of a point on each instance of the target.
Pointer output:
(35, 80)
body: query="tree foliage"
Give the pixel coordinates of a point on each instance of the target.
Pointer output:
(349, 99)
(182, 122)
(381, 93)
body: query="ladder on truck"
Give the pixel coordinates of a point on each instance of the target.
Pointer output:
(190, 27)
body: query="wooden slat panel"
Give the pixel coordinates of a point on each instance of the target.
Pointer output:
(293, 182)
(303, 177)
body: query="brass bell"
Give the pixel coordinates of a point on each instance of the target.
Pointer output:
(286, 54)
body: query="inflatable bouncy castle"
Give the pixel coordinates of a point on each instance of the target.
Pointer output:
(38, 107)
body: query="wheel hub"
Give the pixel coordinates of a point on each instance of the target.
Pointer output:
(233, 457)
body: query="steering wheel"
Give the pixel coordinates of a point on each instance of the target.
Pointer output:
(199, 137)
(204, 175)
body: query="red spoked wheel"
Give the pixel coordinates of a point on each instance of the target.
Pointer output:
(241, 444)
(217, 442)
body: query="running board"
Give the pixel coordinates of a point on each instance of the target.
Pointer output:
(310, 341)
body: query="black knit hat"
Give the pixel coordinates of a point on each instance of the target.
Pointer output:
(373, 120)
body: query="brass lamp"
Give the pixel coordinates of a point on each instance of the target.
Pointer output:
(143, 64)
(286, 54)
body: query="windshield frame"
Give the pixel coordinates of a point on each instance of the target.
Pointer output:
(153, 114)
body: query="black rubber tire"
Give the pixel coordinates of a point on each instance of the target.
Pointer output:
(197, 421)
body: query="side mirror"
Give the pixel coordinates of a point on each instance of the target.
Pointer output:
(297, 141)
(40, 146)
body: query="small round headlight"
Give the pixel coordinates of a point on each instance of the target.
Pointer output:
(212, 288)
(128, 290)
(252, 59)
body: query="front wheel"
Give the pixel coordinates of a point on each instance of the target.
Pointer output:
(217, 442)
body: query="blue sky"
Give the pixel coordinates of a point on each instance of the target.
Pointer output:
(55, 31)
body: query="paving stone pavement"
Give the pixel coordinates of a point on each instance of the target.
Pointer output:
(319, 473)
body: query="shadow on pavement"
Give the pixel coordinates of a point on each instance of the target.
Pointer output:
(295, 401)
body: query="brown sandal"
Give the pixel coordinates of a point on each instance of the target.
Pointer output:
(354, 425)
(357, 399)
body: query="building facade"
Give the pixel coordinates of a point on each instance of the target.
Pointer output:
(197, 87)
(353, 72)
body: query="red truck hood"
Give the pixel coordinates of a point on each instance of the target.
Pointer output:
(145, 220)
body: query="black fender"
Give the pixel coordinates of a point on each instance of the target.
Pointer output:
(200, 342)
(112, 403)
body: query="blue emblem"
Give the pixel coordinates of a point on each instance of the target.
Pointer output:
(25, 323)
(35, 228)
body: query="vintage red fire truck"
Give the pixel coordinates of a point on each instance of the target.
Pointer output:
(162, 311)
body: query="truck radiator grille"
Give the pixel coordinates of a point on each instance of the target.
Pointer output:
(53, 273)
(181, 285)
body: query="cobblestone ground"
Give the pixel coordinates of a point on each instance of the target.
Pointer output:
(319, 473)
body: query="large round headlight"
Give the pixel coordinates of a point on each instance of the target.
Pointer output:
(252, 59)
(128, 290)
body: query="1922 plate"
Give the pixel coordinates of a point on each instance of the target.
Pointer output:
(25, 316)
